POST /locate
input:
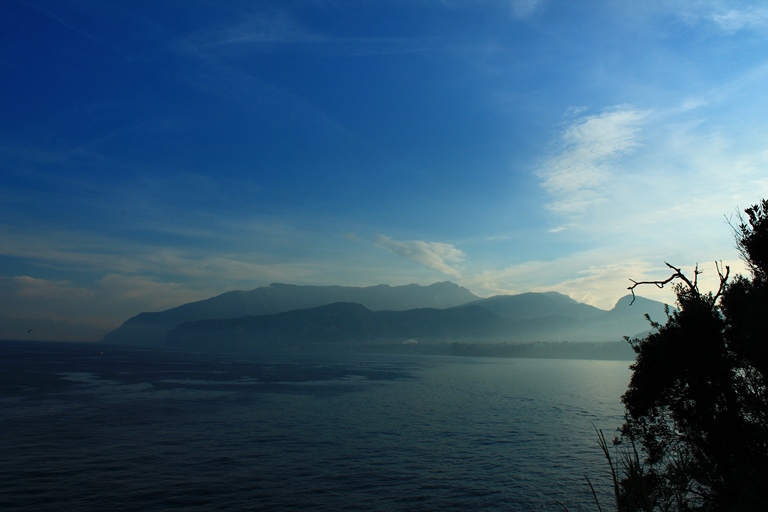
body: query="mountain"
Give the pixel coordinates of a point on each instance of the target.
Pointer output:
(335, 324)
(536, 305)
(151, 328)
(525, 318)
(552, 316)
(626, 316)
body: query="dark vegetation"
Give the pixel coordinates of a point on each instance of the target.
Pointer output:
(695, 437)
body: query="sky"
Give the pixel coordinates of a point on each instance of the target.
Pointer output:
(157, 153)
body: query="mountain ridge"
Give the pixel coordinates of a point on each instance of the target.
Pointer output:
(337, 323)
(344, 326)
(280, 316)
(149, 328)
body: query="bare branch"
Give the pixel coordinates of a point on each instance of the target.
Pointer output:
(692, 285)
(660, 284)
(723, 278)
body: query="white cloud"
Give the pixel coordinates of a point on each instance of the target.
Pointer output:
(729, 16)
(733, 20)
(577, 175)
(595, 277)
(594, 283)
(435, 255)
(641, 186)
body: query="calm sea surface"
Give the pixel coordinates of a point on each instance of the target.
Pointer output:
(95, 427)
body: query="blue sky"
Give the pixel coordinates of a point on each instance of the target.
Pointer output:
(155, 153)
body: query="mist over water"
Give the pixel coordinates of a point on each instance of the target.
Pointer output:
(90, 427)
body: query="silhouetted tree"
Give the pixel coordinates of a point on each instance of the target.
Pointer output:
(697, 404)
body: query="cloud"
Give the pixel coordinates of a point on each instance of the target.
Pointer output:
(276, 31)
(525, 8)
(733, 20)
(258, 29)
(664, 203)
(435, 255)
(577, 175)
(31, 287)
(596, 277)
(141, 293)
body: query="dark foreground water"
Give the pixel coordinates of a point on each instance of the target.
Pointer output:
(94, 427)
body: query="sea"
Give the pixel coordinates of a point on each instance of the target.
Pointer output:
(94, 427)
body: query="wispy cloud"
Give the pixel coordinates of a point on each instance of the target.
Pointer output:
(104, 303)
(435, 255)
(625, 181)
(729, 17)
(31, 287)
(275, 30)
(232, 262)
(596, 277)
(132, 279)
(257, 29)
(525, 8)
(734, 20)
(576, 176)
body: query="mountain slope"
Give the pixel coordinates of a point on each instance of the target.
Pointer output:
(151, 328)
(333, 324)
(632, 317)
(527, 318)
(536, 305)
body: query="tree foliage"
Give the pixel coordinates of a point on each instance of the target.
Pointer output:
(697, 404)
